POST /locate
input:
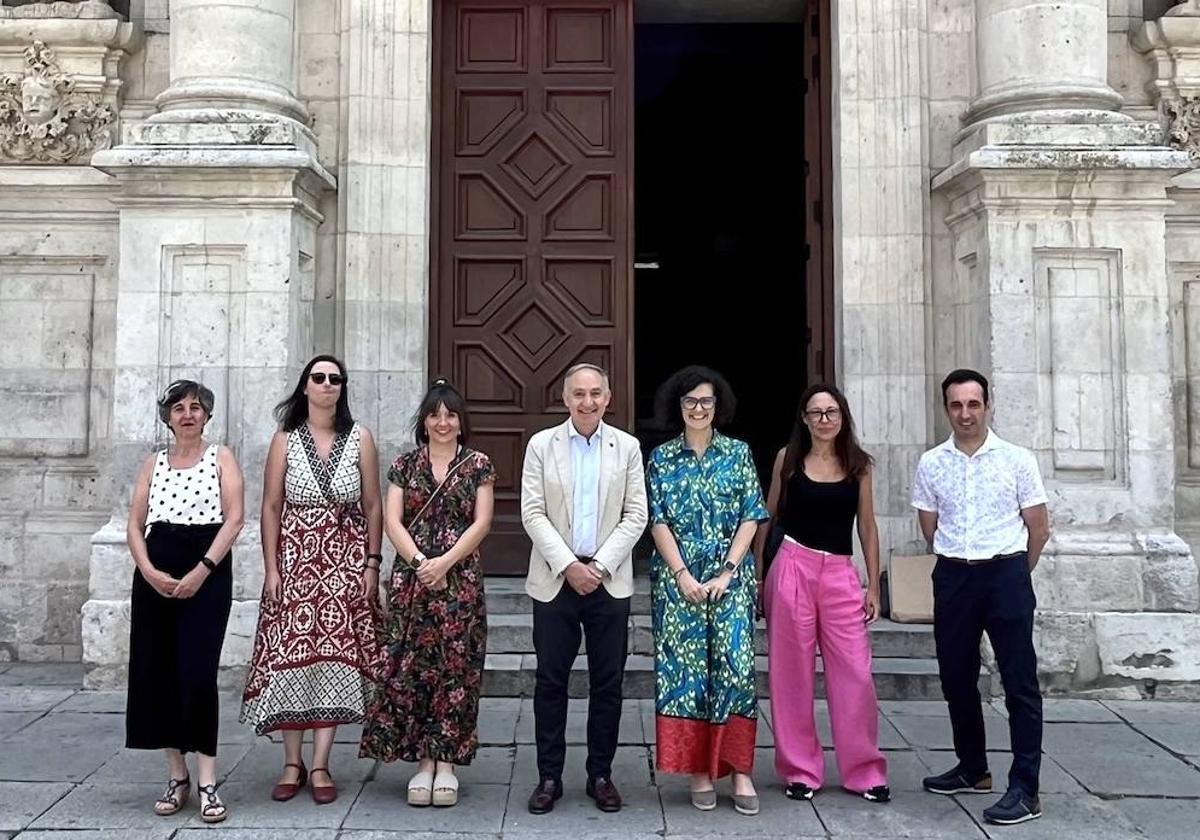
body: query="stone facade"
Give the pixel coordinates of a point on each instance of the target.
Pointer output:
(1005, 172)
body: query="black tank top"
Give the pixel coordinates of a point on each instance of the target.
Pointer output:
(820, 514)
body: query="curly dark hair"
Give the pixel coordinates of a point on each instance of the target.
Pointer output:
(293, 411)
(668, 411)
(441, 392)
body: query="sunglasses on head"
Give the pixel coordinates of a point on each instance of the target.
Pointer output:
(318, 378)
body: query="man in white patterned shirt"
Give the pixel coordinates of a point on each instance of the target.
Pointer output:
(981, 505)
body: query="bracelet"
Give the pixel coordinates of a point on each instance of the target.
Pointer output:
(378, 557)
(209, 564)
(675, 574)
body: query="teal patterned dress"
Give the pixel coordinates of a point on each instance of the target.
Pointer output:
(706, 708)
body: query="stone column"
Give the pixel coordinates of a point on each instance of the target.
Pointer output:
(236, 57)
(1037, 56)
(219, 205)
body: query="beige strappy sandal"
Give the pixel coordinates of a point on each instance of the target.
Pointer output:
(420, 789)
(445, 789)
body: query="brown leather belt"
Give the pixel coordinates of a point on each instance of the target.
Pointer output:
(984, 560)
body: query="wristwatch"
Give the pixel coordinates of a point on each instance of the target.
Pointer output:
(730, 566)
(417, 560)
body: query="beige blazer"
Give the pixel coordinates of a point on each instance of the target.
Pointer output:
(547, 502)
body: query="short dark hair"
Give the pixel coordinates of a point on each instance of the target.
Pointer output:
(668, 410)
(181, 389)
(292, 412)
(961, 377)
(441, 392)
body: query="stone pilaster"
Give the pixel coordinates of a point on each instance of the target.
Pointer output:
(219, 206)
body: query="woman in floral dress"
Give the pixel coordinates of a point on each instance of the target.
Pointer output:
(316, 652)
(705, 506)
(438, 510)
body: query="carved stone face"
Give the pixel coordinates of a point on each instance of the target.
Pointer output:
(39, 101)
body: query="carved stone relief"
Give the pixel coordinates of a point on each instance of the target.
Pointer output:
(43, 119)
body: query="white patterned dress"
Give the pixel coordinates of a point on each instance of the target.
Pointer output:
(316, 653)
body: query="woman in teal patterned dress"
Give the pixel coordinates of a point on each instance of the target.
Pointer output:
(705, 506)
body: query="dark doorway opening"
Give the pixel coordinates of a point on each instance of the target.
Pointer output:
(720, 219)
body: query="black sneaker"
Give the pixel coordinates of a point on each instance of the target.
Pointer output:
(798, 790)
(879, 793)
(1014, 807)
(958, 781)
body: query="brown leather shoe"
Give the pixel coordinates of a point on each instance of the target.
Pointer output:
(326, 794)
(605, 793)
(541, 801)
(283, 792)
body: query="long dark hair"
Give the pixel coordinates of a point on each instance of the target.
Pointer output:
(853, 458)
(293, 411)
(441, 392)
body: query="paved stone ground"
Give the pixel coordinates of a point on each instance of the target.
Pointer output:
(1111, 770)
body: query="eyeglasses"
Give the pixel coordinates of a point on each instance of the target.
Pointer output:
(829, 415)
(691, 403)
(318, 377)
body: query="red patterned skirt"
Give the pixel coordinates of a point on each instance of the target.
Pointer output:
(316, 654)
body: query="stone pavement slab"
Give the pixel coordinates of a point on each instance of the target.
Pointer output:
(1132, 774)
(164, 831)
(480, 809)
(905, 816)
(492, 766)
(151, 766)
(1154, 711)
(1111, 738)
(1162, 819)
(1053, 778)
(23, 802)
(109, 807)
(1182, 738)
(1066, 710)
(40, 673)
(12, 722)
(100, 702)
(1066, 816)
(32, 698)
(1111, 769)
(934, 732)
(220, 832)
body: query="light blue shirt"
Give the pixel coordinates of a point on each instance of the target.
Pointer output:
(585, 512)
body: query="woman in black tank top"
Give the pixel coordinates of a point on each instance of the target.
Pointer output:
(820, 488)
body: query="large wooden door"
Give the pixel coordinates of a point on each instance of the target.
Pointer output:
(532, 220)
(818, 181)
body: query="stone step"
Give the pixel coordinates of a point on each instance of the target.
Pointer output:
(513, 633)
(896, 678)
(507, 596)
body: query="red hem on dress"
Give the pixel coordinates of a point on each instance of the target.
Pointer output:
(699, 746)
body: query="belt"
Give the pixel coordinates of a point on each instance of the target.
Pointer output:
(980, 561)
(585, 559)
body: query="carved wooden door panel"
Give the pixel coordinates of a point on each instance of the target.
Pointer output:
(532, 221)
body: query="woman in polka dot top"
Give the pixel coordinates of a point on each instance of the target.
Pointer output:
(185, 515)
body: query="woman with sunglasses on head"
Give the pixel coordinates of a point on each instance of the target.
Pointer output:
(438, 510)
(315, 652)
(705, 505)
(186, 513)
(820, 488)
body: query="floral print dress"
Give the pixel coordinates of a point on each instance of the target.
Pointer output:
(428, 703)
(705, 699)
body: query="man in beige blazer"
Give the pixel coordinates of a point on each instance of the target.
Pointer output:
(583, 504)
